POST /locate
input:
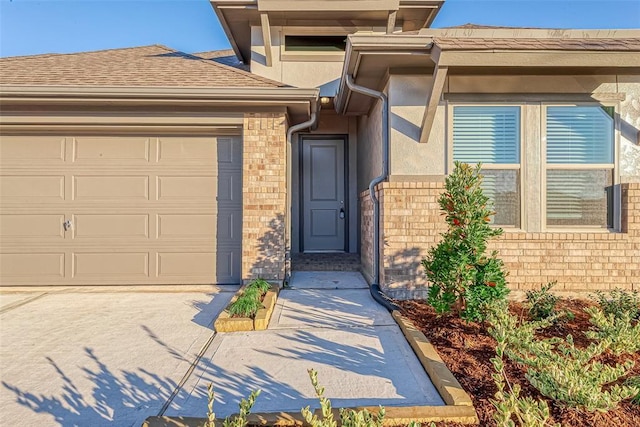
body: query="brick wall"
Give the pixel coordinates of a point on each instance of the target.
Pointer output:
(366, 233)
(578, 261)
(264, 196)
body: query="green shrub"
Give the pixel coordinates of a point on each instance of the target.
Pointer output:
(260, 284)
(619, 303)
(634, 382)
(560, 371)
(239, 420)
(621, 330)
(246, 305)
(250, 301)
(508, 403)
(348, 417)
(542, 303)
(464, 279)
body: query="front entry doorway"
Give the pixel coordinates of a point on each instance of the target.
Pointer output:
(324, 205)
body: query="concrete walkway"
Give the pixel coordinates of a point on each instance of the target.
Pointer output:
(326, 321)
(97, 356)
(87, 357)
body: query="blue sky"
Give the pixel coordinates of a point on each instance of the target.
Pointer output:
(30, 27)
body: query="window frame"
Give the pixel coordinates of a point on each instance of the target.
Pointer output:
(533, 160)
(614, 167)
(317, 56)
(519, 167)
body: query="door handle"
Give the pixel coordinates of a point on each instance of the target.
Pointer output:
(342, 214)
(67, 225)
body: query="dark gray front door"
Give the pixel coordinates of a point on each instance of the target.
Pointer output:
(324, 216)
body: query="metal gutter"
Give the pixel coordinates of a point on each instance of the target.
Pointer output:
(192, 93)
(376, 292)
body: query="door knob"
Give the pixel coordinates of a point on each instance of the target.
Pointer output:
(67, 225)
(341, 213)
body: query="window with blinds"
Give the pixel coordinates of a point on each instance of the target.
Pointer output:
(579, 168)
(491, 135)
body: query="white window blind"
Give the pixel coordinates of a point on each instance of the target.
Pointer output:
(579, 135)
(486, 134)
(580, 144)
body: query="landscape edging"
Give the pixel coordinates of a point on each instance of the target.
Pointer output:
(226, 323)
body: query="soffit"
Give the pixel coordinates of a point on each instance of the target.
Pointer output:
(369, 57)
(237, 16)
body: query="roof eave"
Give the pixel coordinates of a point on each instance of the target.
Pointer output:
(584, 60)
(249, 97)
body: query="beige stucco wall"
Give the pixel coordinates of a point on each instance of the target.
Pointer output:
(629, 128)
(296, 73)
(408, 98)
(370, 147)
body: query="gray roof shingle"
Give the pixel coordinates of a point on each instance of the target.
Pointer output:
(146, 66)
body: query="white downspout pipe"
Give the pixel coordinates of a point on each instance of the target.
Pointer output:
(375, 286)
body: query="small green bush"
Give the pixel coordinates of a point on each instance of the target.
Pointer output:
(559, 370)
(619, 303)
(508, 403)
(464, 279)
(250, 301)
(260, 284)
(621, 331)
(634, 382)
(239, 420)
(542, 303)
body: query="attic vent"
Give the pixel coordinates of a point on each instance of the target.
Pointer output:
(315, 43)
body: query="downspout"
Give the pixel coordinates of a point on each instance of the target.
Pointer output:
(293, 129)
(376, 292)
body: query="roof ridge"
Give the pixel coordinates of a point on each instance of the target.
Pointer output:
(43, 55)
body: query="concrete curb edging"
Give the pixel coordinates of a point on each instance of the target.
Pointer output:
(395, 417)
(448, 386)
(226, 323)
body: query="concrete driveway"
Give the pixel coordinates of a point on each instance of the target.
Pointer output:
(87, 357)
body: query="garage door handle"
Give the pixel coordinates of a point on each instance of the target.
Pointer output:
(67, 225)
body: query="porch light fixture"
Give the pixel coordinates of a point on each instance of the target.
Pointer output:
(325, 100)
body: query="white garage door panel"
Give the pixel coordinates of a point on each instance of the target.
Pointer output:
(143, 210)
(100, 264)
(26, 226)
(31, 266)
(110, 226)
(33, 149)
(31, 189)
(103, 150)
(199, 188)
(105, 187)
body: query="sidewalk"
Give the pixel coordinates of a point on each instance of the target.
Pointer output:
(326, 321)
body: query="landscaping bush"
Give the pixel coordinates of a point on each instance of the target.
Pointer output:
(542, 303)
(464, 279)
(508, 403)
(250, 301)
(348, 417)
(619, 303)
(239, 420)
(558, 369)
(621, 331)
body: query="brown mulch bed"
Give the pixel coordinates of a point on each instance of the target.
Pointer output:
(467, 348)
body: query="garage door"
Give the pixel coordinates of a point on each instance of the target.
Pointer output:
(120, 209)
